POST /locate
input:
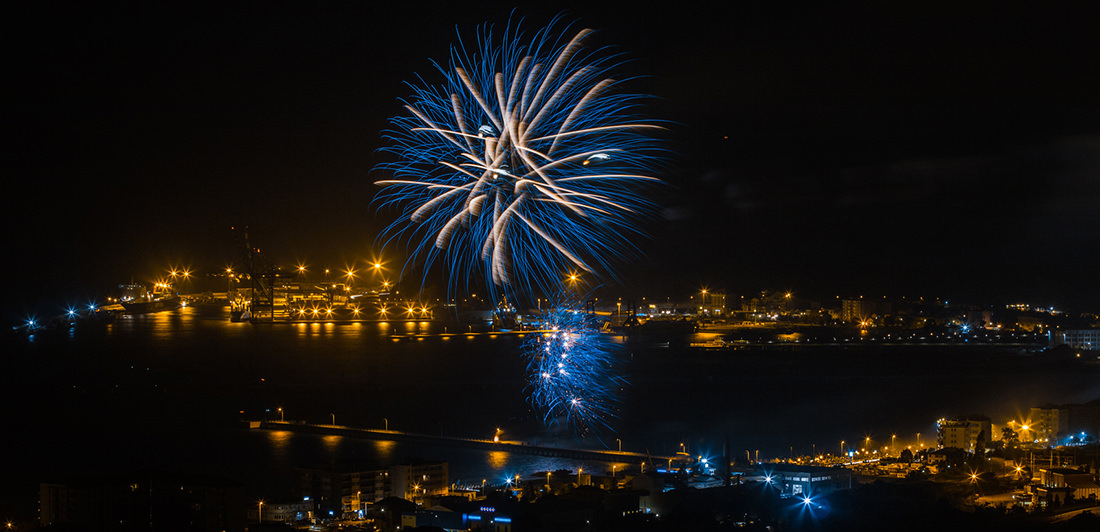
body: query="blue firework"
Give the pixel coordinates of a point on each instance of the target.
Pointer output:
(525, 160)
(572, 370)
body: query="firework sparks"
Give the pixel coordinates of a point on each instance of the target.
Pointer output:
(571, 370)
(525, 162)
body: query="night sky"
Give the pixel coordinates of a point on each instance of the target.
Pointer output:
(842, 151)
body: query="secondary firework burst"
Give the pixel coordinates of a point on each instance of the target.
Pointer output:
(525, 160)
(571, 369)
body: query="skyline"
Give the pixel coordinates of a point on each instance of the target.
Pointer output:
(851, 150)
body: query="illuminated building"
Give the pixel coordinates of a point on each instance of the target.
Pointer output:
(349, 491)
(969, 433)
(417, 481)
(1059, 483)
(794, 480)
(1053, 423)
(711, 303)
(1087, 339)
(1048, 421)
(852, 310)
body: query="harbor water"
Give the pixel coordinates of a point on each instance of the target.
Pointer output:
(168, 391)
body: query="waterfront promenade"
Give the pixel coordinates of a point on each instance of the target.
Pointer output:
(608, 456)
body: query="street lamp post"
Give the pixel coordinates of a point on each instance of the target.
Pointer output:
(281, 414)
(620, 444)
(260, 511)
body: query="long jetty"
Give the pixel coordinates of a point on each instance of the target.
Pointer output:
(465, 443)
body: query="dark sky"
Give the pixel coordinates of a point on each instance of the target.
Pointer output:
(858, 150)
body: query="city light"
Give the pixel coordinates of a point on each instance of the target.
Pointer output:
(519, 167)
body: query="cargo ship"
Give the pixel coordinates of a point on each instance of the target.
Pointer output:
(137, 299)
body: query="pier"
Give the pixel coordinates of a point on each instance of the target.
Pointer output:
(465, 443)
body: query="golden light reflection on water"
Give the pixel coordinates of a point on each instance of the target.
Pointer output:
(497, 459)
(350, 330)
(280, 441)
(332, 443)
(385, 449)
(164, 325)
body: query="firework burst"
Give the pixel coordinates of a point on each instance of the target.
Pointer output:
(526, 161)
(571, 370)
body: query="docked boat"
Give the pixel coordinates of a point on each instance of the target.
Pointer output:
(137, 299)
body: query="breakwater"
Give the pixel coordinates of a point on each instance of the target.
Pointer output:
(597, 455)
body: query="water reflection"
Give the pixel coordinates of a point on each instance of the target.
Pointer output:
(280, 444)
(497, 459)
(385, 450)
(332, 445)
(251, 364)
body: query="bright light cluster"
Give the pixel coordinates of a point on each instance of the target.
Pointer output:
(526, 160)
(571, 371)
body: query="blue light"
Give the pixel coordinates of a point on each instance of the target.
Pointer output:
(503, 520)
(473, 517)
(807, 501)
